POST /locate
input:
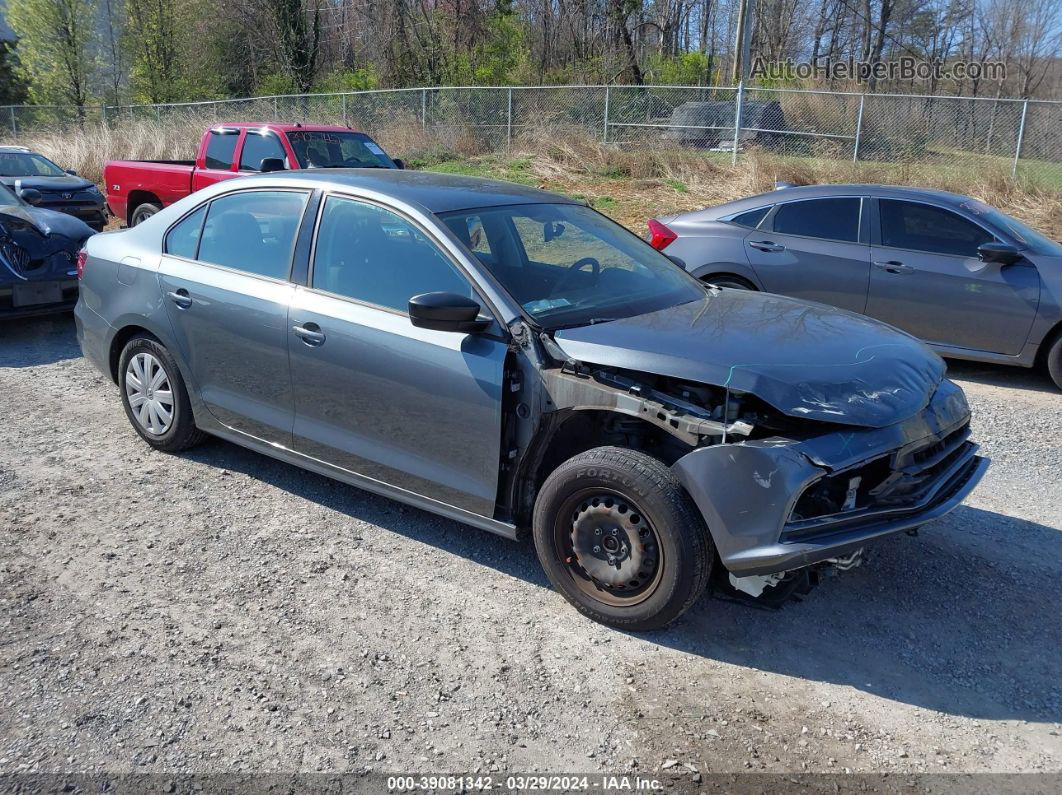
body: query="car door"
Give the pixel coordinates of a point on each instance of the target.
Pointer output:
(414, 408)
(218, 159)
(225, 283)
(927, 280)
(815, 249)
(257, 146)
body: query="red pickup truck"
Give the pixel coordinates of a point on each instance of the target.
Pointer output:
(137, 189)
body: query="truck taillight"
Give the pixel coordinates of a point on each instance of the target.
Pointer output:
(82, 256)
(660, 237)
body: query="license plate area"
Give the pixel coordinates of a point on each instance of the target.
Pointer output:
(35, 293)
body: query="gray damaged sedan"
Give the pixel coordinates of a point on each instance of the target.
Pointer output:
(514, 360)
(968, 279)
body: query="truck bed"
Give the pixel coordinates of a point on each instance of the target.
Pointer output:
(135, 181)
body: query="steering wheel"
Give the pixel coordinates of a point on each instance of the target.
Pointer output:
(595, 269)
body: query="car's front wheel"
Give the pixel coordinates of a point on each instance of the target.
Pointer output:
(155, 397)
(1054, 361)
(621, 539)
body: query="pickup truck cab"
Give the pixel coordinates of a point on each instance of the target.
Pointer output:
(137, 189)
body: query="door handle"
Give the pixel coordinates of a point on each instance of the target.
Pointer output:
(766, 245)
(310, 333)
(892, 266)
(180, 297)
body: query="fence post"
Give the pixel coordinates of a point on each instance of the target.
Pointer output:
(103, 115)
(859, 127)
(276, 109)
(14, 125)
(740, 102)
(1021, 137)
(344, 110)
(424, 108)
(604, 137)
(509, 124)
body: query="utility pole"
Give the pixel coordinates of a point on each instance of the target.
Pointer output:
(742, 42)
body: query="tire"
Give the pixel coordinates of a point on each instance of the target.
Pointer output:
(733, 282)
(664, 554)
(1054, 361)
(143, 212)
(143, 354)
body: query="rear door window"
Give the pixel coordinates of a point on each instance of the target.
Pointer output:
(827, 219)
(923, 227)
(256, 148)
(183, 238)
(752, 218)
(220, 148)
(253, 231)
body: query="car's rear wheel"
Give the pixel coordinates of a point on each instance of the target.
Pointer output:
(621, 539)
(155, 397)
(143, 212)
(733, 282)
(1054, 360)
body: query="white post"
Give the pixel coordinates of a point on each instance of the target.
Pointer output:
(14, 125)
(605, 135)
(859, 128)
(424, 108)
(276, 110)
(344, 110)
(1021, 137)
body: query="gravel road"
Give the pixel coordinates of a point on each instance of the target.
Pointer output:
(220, 611)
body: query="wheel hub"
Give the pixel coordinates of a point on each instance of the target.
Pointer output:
(613, 544)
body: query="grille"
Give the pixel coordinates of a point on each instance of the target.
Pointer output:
(910, 479)
(14, 256)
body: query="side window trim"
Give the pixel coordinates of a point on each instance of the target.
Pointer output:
(485, 303)
(207, 204)
(879, 240)
(767, 224)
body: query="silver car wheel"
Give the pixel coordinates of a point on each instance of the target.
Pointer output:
(150, 396)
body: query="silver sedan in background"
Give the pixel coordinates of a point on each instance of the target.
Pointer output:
(971, 281)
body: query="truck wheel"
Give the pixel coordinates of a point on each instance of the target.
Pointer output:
(154, 396)
(1054, 361)
(143, 212)
(621, 539)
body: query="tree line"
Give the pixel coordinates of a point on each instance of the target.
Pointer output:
(84, 52)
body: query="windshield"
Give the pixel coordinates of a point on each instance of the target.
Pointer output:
(338, 150)
(28, 164)
(1030, 238)
(568, 265)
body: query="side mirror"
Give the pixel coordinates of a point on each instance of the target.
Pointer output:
(71, 172)
(446, 312)
(30, 195)
(399, 162)
(677, 260)
(271, 164)
(999, 253)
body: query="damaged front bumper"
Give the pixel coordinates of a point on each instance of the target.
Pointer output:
(777, 504)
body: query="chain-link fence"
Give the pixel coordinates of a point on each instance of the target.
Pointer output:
(887, 128)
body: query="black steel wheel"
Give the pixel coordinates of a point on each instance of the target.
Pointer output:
(621, 540)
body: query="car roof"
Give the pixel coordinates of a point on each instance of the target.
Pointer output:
(12, 148)
(828, 191)
(281, 126)
(437, 193)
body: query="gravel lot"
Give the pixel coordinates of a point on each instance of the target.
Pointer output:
(220, 611)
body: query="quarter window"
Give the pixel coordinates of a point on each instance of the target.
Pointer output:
(257, 148)
(923, 227)
(752, 218)
(220, 148)
(183, 238)
(828, 219)
(371, 254)
(253, 231)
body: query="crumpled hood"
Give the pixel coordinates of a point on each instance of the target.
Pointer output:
(67, 182)
(49, 222)
(806, 360)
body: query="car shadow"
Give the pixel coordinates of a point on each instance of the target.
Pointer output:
(36, 341)
(1034, 379)
(937, 622)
